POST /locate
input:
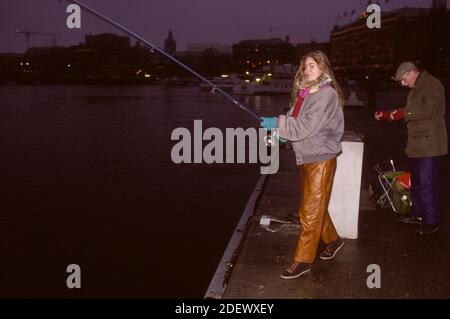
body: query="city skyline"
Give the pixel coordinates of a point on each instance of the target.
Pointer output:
(191, 21)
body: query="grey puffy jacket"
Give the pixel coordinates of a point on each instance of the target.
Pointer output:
(316, 133)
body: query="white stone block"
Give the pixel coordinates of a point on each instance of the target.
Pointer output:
(345, 196)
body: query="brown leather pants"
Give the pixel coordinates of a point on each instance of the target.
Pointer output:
(316, 181)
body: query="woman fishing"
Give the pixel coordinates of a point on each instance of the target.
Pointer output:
(315, 126)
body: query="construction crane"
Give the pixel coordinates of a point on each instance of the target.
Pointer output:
(30, 33)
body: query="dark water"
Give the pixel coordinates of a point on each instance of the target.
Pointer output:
(86, 178)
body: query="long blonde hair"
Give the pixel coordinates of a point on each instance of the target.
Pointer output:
(325, 66)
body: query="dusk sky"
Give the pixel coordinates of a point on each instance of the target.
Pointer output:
(218, 21)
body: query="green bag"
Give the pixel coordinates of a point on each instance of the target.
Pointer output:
(402, 202)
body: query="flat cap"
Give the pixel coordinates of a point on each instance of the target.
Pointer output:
(403, 68)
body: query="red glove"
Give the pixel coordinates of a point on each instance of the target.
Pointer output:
(398, 114)
(382, 115)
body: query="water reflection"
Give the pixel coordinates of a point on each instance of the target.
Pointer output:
(89, 180)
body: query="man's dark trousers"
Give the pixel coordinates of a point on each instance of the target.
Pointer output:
(424, 189)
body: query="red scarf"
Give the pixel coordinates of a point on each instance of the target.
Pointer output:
(301, 98)
(298, 106)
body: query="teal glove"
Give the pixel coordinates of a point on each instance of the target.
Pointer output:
(269, 122)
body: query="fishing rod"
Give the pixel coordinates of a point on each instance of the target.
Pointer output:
(155, 48)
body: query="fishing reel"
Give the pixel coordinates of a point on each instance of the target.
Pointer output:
(271, 139)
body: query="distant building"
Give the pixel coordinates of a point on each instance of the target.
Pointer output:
(107, 41)
(170, 45)
(415, 34)
(303, 48)
(200, 47)
(251, 55)
(10, 63)
(102, 58)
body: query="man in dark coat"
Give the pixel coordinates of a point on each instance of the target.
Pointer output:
(427, 142)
